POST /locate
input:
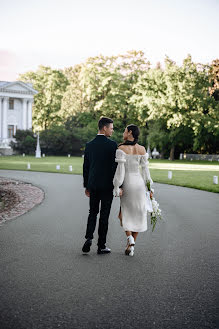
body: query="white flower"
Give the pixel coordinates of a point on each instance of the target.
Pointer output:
(156, 213)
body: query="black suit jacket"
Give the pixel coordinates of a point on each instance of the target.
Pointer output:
(99, 163)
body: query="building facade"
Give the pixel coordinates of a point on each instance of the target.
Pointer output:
(16, 99)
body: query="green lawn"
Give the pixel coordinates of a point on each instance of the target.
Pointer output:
(47, 164)
(195, 174)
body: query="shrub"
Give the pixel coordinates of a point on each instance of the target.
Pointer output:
(59, 141)
(25, 142)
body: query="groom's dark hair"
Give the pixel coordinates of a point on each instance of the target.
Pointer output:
(104, 122)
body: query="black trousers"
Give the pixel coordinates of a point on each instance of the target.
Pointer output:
(105, 198)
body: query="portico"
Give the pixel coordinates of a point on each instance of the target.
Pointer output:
(16, 99)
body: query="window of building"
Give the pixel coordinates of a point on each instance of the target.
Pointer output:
(11, 104)
(10, 131)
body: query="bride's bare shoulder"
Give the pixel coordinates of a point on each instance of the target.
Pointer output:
(122, 147)
(141, 150)
(125, 148)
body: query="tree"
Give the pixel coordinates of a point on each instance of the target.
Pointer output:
(83, 126)
(179, 102)
(51, 85)
(57, 140)
(179, 96)
(74, 100)
(104, 85)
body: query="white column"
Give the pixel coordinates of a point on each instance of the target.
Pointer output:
(5, 119)
(24, 114)
(0, 118)
(29, 114)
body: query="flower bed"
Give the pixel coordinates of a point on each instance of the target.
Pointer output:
(16, 198)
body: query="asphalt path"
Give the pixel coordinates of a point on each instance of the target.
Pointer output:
(46, 281)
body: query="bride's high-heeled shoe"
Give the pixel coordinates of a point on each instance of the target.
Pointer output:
(131, 251)
(130, 246)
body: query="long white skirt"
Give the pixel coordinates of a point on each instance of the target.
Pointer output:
(134, 203)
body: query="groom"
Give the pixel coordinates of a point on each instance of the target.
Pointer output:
(98, 172)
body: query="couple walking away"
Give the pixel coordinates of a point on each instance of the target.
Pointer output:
(108, 171)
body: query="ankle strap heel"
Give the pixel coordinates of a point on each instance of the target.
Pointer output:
(131, 251)
(131, 240)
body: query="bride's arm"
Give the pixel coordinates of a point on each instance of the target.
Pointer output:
(120, 172)
(145, 170)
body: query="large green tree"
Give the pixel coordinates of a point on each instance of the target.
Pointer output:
(178, 96)
(176, 107)
(104, 85)
(51, 85)
(57, 140)
(74, 98)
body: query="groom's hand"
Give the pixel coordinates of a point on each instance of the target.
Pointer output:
(87, 193)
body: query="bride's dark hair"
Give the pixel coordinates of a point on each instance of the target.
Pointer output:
(135, 133)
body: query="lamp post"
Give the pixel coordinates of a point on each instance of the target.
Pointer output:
(38, 150)
(149, 151)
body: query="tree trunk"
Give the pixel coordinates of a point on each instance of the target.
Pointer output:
(172, 152)
(162, 154)
(124, 121)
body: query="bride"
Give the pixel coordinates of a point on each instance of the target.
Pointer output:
(134, 204)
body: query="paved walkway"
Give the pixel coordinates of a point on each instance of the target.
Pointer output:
(46, 282)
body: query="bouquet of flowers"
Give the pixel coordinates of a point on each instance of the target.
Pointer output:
(156, 213)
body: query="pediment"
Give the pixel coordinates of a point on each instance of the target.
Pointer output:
(19, 87)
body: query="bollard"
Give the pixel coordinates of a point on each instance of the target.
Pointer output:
(57, 167)
(23, 154)
(69, 155)
(215, 179)
(170, 174)
(70, 168)
(43, 155)
(28, 165)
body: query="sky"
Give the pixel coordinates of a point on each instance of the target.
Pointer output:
(63, 33)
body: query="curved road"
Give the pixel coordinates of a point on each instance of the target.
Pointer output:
(170, 283)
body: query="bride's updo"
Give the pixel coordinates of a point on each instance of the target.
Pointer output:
(135, 133)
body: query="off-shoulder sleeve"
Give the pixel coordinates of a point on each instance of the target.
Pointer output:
(120, 171)
(145, 169)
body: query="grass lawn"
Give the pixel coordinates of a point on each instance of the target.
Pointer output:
(47, 164)
(195, 174)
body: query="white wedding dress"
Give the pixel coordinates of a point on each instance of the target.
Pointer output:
(135, 202)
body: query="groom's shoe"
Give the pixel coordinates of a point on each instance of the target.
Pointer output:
(87, 245)
(103, 250)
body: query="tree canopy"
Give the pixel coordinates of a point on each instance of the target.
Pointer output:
(175, 106)
(51, 86)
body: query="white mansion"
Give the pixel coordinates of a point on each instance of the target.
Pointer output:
(16, 100)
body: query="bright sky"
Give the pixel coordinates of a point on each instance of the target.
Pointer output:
(62, 33)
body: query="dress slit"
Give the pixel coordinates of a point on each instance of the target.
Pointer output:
(120, 216)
